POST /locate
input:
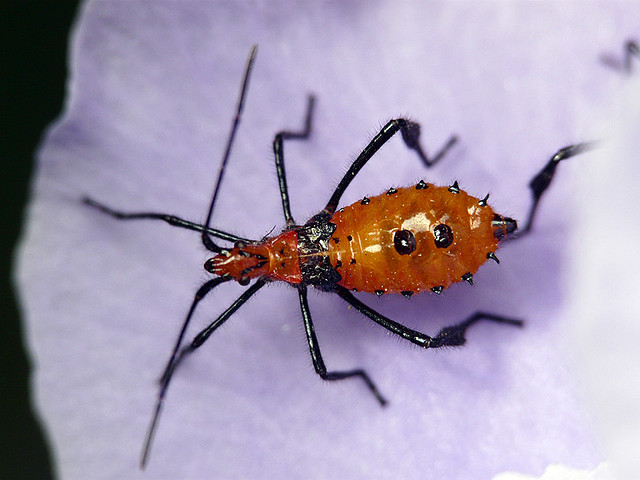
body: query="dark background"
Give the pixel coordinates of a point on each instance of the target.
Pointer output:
(32, 85)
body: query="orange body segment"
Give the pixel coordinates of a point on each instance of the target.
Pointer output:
(276, 258)
(393, 242)
(284, 260)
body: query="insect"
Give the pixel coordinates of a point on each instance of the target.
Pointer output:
(405, 240)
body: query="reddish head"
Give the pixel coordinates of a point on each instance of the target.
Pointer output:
(275, 257)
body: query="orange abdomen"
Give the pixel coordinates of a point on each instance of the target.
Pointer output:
(411, 239)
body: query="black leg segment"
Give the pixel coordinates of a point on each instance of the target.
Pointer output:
(631, 49)
(177, 358)
(455, 335)
(316, 356)
(447, 337)
(542, 180)
(410, 135)
(278, 152)
(200, 294)
(170, 219)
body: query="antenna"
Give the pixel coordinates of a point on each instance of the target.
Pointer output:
(210, 245)
(206, 239)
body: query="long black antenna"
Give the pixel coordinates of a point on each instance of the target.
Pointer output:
(208, 286)
(206, 239)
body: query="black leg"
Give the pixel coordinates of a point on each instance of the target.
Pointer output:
(447, 337)
(176, 359)
(200, 294)
(454, 335)
(170, 219)
(541, 181)
(316, 356)
(278, 151)
(631, 49)
(410, 135)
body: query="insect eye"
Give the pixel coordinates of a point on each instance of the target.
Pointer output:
(443, 236)
(404, 241)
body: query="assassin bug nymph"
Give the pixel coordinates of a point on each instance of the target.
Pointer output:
(405, 240)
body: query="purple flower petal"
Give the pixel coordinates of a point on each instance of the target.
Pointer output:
(152, 91)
